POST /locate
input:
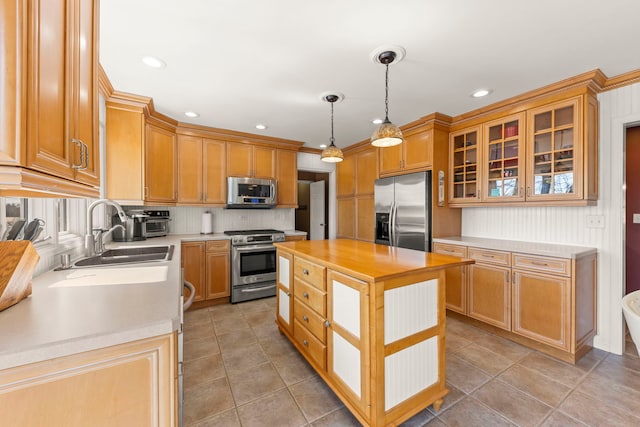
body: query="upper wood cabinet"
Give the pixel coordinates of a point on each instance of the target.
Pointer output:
(160, 165)
(345, 177)
(248, 160)
(287, 177)
(201, 170)
(366, 171)
(49, 94)
(546, 154)
(415, 153)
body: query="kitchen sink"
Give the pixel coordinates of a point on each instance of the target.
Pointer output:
(127, 255)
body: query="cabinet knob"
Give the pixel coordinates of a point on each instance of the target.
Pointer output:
(305, 294)
(288, 294)
(305, 271)
(305, 318)
(327, 323)
(305, 343)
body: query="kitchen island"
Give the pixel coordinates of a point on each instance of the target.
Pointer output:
(370, 319)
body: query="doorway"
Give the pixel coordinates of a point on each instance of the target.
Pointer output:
(312, 214)
(632, 212)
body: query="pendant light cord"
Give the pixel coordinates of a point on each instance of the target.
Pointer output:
(386, 94)
(332, 139)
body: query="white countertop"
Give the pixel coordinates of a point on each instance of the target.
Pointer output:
(59, 321)
(533, 248)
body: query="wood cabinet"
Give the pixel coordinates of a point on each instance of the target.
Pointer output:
(287, 177)
(455, 278)
(345, 177)
(465, 151)
(160, 164)
(365, 226)
(346, 215)
(49, 98)
(127, 384)
(414, 154)
(207, 267)
(201, 171)
(249, 160)
(293, 238)
(550, 301)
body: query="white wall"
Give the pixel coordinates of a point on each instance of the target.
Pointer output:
(312, 163)
(568, 224)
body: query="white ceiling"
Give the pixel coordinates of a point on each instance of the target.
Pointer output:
(243, 62)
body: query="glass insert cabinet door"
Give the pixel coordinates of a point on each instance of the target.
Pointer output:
(464, 157)
(554, 151)
(503, 163)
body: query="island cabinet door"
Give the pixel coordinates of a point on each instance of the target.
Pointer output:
(284, 299)
(348, 339)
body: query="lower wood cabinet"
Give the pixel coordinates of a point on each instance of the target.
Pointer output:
(490, 294)
(206, 266)
(132, 384)
(455, 278)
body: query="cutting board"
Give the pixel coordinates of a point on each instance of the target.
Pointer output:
(18, 260)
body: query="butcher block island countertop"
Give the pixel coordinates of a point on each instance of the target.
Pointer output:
(370, 319)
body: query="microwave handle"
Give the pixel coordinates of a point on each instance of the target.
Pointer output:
(273, 190)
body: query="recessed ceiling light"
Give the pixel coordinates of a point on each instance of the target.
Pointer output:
(479, 93)
(260, 126)
(376, 121)
(191, 114)
(154, 62)
(323, 145)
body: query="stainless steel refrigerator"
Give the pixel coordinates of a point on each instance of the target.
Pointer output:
(403, 211)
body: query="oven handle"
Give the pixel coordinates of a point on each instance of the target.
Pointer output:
(252, 248)
(262, 288)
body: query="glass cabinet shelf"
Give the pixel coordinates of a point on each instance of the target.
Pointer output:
(464, 155)
(503, 161)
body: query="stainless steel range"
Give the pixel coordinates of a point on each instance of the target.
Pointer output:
(253, 263)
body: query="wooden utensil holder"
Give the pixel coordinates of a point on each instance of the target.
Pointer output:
(18, 260)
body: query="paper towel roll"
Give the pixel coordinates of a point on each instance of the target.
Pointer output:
(207, 223)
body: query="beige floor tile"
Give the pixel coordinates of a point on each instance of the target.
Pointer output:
(239, 361)
(520, 408)
(278, 346)
(259, 318)
(629, 362)
(230, 325)
(435, 422)
(619, 373)
(198, 331)
(558, 419)
(419, 419)
(224, 419)
(195, 316)
(339, 418)
(455, 342)
(619, 392)
(464, 375)
(292, 367)
(196, 349)
(470, 413)
(490, 362)
(225, 311)
(596, 412)
(276, 409)
(505, 348)
(255, 382)
(206, 400)
(202, 370)
(268, 330)
(254, 306)
(454, 396)
(537, 385)
(561, 372)
(465, 330)
(591, 359)
(236, 340)
(314, 398)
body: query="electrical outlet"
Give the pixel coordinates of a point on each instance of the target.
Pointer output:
(636, 218)
(595, 221)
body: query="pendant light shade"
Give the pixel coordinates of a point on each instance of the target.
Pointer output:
(387, 134)
(332, 154)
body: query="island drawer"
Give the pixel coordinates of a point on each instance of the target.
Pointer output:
(490, 256)
(311, 296)
(310, 272)
(447, 249)
(309, 319)
(557, 266)
(217, 245)
(310, 344)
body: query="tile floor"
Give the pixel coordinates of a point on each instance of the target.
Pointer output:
(239, 371)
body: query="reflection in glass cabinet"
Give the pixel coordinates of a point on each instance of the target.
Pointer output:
(503, 149)
(465, 165)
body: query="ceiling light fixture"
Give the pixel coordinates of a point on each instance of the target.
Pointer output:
(479, 93)
(387, 134)
(376, 121)
(260, 126)
(153, 62)
(323, 145)
(191, 114)
(332, 154)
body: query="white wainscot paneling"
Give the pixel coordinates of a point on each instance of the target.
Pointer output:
(410, 371)
(283, 271)
(410, 309)
(346, 307)
(346, 363)
(283, 305)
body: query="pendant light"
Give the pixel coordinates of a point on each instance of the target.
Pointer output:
(387, 134)
(332, 154)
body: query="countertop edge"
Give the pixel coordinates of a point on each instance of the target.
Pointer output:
(557, 250)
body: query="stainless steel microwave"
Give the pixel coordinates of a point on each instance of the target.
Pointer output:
(251, 193)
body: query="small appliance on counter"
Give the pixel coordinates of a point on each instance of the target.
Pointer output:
(157, 223)
(135, 227)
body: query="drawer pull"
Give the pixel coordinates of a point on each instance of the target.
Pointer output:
(305, 271)
(305, 294)
(488, 255)
(542, 264)
(305, 343)
(305, 318)
(327, 323)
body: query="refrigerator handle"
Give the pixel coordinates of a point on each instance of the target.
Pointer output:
(392, 226)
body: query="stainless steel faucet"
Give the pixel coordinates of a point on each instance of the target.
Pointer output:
(94, 243)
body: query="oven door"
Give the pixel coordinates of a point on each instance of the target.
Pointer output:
(253, 264)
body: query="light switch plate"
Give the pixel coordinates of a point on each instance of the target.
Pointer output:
(636, 218)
